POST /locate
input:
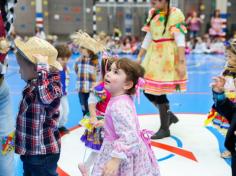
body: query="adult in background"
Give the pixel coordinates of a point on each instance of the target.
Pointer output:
(194, 23)
(216, 29)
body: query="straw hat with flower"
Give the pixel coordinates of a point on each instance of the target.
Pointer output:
(36, 46)
(84, 40)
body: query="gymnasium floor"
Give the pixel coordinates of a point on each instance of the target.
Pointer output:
(192, 150)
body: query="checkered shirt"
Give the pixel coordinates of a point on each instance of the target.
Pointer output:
(36, 128)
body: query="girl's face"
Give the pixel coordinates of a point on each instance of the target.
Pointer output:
(158, 4)
(115, 81)
(217, 13)
(195, 14)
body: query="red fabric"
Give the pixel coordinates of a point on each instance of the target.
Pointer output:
(163, 40)
(2, 34)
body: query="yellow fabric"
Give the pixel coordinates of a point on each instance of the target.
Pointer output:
(162, 58)
(85, 122)
(8, 143)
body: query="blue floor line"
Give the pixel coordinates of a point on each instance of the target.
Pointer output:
(220, 138)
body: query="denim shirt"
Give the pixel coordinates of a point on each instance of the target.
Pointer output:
(7, 122)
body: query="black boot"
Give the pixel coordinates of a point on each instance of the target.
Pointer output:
(165, 122)
(173, 117)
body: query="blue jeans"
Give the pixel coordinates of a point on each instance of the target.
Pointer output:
(83, 98)
(40, 165)
(7, 125)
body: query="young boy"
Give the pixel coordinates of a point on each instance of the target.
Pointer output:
(37, 135)
(86, 66)
(64, 54)
(226, 107)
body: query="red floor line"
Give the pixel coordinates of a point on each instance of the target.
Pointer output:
(175, 150)
(61, 172)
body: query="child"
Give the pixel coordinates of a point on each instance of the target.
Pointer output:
(227, 108)
(218, 120)
(87, 66)
(64, 54)
(37, 135)
(124, 151)
(98, 100)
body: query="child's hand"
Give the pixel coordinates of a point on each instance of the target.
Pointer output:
(98, 124)
(218, 84)
(111, 167)
(93, 121)
(40, 58)
(181, 69)
(4, 45)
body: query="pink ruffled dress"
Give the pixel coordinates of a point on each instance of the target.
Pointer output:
(123, 139)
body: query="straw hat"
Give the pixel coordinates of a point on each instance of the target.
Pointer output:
(84, 40)
(233, 44)
(36, 45)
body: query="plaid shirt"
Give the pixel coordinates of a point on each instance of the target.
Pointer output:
(36, 128)
(87, 74)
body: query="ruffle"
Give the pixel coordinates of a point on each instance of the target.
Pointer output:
(90, 144)
(158, 17)
(179, 27)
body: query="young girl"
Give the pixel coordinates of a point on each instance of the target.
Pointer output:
(86, 66)
(226, 107)
(125, 150)
(92, 138)
(164, 61)
(219, 121)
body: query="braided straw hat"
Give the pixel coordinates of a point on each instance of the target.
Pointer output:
(36, 45)
(84, 40)
(233, 44)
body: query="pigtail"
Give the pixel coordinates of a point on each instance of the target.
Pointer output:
(154, 14)
(167, 17)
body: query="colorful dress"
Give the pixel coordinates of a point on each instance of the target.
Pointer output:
(93, 137)
(124, 140)
(162, 57)
(219, 121)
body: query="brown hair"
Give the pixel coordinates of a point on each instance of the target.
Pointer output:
(106, 64)
(167, 16)
(63, 51)
(133, 72)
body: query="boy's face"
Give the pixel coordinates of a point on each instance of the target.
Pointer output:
(63, 61)
(83, 51)
(27, 71)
